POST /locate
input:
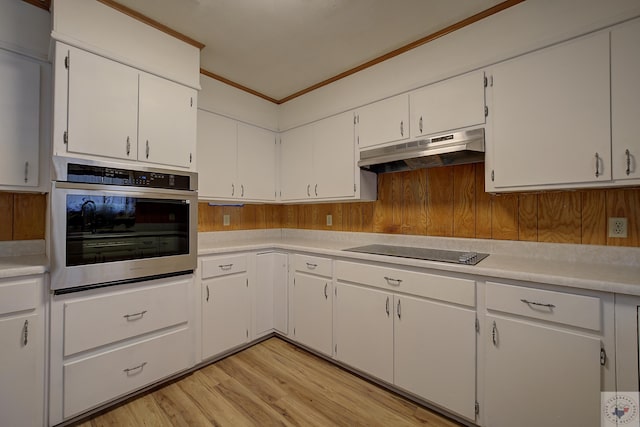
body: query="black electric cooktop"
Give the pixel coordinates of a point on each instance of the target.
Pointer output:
(456, 257)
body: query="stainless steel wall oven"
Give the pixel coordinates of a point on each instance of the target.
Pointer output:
(111, 223)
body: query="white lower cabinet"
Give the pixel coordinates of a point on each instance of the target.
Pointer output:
(22, 354)
(226, 304)
(542, 361)
(364, 329)
(270, 297)
(109, 342)
(312, 302)
(435, 353)
(411, 329)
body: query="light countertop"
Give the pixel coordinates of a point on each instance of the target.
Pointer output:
(575, 266)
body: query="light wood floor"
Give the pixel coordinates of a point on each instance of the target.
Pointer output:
(272, 383)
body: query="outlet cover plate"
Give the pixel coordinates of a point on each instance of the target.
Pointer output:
(618, 227)
(329, 220)
(226, 220)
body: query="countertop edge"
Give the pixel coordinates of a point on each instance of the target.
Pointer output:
(494, 267)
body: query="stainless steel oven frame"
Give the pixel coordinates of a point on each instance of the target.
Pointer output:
(73, 278)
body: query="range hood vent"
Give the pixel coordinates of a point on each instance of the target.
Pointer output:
(443, 150)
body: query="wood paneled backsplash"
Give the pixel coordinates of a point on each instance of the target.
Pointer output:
(451, 202)
(22, 216)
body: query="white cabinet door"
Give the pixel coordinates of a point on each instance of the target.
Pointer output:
(451, 104)
(551, 117)
(435, 353)
(364, 330)
(540, 376)
(270, 305)
(216, 162)
(334, 161)
(384, 121)
(102, 108)
(296, 159)
(256, 163)
(19, 120)
(625, 100)
(167, 122)
(20, 388)
(312, 312)
(225, 314)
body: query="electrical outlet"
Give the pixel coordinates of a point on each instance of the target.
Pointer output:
(618, 227)
(329, 220)
(226, 220)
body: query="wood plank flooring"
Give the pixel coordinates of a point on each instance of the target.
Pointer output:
(271, 383)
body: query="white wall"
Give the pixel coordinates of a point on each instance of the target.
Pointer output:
(521, 28)
(220, 98)
(24, 29)
(93, 26)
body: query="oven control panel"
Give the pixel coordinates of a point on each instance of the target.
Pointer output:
(92, 174)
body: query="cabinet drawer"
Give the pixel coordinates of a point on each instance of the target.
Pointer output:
(313, 265)
(450, 289)
(560, 307)
(221, 266)
(19, 295)
(93, 322)
(98, 379)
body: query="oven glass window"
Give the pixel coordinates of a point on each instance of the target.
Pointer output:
(116, 228)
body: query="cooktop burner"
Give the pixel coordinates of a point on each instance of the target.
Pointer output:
(456, 257)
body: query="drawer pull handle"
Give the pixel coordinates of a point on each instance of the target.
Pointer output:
(225, 267)
(539, 304)
(494, 334)
(135, 316)
(392, 281)
(25, 333)
(135, 369)
(311, 266)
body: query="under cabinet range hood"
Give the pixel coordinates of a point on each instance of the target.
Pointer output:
(443, 150)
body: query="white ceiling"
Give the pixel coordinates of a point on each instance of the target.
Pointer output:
(279, 47)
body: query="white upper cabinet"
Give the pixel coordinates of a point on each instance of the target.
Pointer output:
(217, 155)
(334, 157)
(167, 122)
(256, 163)
(625, 100)
(236, 161)
(107, 109)
(451, 104)
(296, 162)
(551, 117)
(317, 162)
(103, 106)
(19, 120)
(383, 121)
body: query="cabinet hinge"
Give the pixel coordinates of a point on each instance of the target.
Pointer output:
(486, 82)
(66, 62)
(65, 137)
(603, 357)
(493, 176)
(477, 325)
(486, 111)
(477, 408)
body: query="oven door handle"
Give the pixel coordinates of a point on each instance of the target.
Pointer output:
(129, 190)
